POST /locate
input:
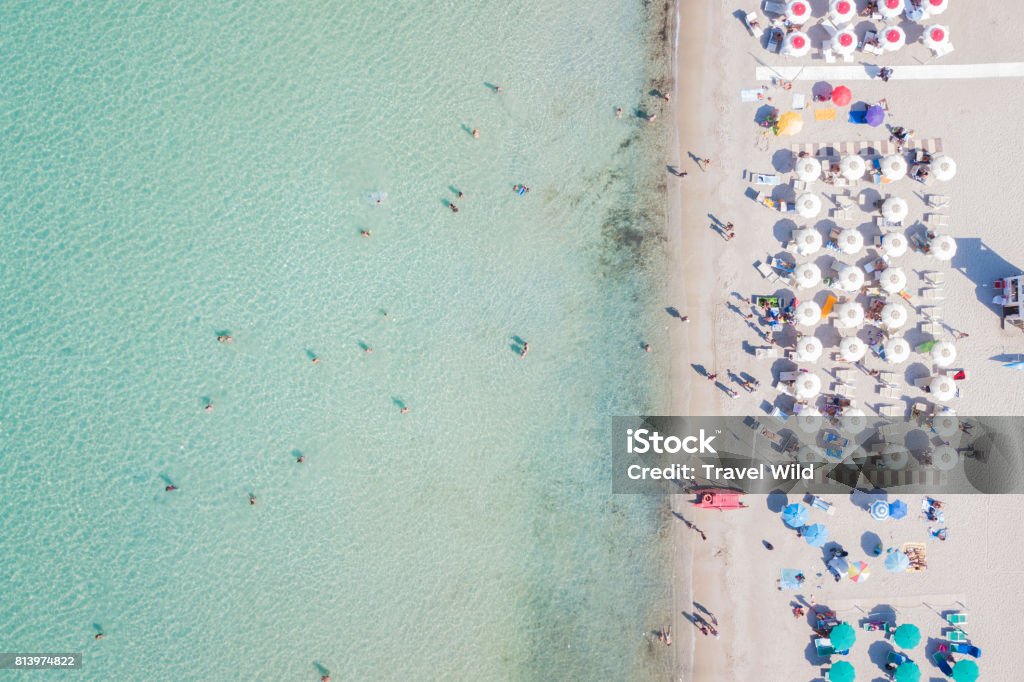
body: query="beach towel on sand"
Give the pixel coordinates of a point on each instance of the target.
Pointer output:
(755, 95)
(825, 114)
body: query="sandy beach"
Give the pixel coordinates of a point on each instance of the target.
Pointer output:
(732, 574)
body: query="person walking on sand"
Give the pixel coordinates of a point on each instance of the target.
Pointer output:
(704, 163)
(667, 635)
(712, 376)
(684, 318)
(959, 334)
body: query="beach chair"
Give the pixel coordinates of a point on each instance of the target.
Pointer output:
(891, 411)
(845, 375)
(845, 390)
(943, 50)
(766, 271)
(775, 40)
(933, 313)
(866, 46)
(932, 294)
(940, 660)
(799, 101)
(967, 649)
(826, 52)
(933, 328)
(934, 277)
(788, 376)
(750, 20)
(774, 8)
(956, 635)
(937, 201)
(766, 353)
(936, 220)
(841, 215)
(891, 391)
(957, 618)
(752, 95)
(767, 179)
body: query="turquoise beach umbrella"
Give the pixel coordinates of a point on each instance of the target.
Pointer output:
(842, 672)
(816, 535)
(907, 636)
(965, 671)
(897, 561)
(794, 515)
(843, 636)
(908, 672)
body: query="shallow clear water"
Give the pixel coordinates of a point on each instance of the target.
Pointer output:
(174, 172)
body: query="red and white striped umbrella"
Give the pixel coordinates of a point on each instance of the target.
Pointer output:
(842, 11)
(933, 7)
(798, 11)
(797, 44)
(893, 38)
(845, 42)
(935, 37)
(890, 9)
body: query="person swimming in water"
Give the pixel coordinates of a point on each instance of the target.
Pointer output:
(315, 359)
(476, 134)
(300, 459)
(225, 338)
(618, 112)
(252, 499)
(525, 350)
(170, 488)
(403, 410)
(451, 205)
(208, 407)
(364, 233)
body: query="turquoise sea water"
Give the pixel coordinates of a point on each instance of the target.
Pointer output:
(175, 171)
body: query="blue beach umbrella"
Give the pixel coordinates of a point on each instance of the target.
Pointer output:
(897, 561)
(879, 510)
(898, 509)
(816, 535)
(795, 515)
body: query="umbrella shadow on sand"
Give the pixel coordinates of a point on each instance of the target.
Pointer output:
(776, 501)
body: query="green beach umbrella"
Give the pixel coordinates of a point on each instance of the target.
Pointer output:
(843, 636)
(907, 636)
(842, 672)
(965, 671)
(908, 672)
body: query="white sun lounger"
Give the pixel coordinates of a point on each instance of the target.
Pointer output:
(768, 179)
(890, 410)
(750, 19)
(943, 50)
(933, 328)
(937, 220)
(934, 277)
(938, 201)
(933, 313)
(774, 8)
(872, 49)
(932, 294)
(766, 353)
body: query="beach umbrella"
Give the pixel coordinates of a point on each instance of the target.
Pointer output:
(943, 353)
(809, 349)
(808, 205)
(936, 37)
(850, 278)
(907, 636)
(809, 421)
(845, 42)
(890, 9)
(894, 167)
(875, 116)
(908, 671)
(839, 564)
(842, 671)
(943, 168)
(945, 457)
(808, 314)
(850, 241)
(816, 535)
(808, 241)
(859, 571)
(894, 315)
(843, 637)
(879, 510)
(893, 38)
(842, 11)
(897, 509)
(942, 388)
(807, 385)
(943, 247)
(935, 7)
(893, 280)
(808, 169)
(854, 421)
(809, 455)
(852, 349)
(896, 350)
(965, 671)
(841, 96)
(895, 457)
(795, 515)
(807, 275)
(852, 167)
(790, 123)
(945, 425)
(797, 44)
(896, 561)
(849, 315)
(894, 244)
(895, 209)
(798, 11)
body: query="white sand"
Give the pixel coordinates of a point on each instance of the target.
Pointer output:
(978, 121)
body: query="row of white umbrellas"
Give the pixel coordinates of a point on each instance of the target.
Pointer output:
(851, 314)
(808, 385)
(893, 167)
(842, 12)
(891, 38)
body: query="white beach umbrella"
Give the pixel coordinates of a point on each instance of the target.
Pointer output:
(845, 42)
(849, 315)
(943, 168)
(935, 7)
(854, 421)
(850, 278)
(842, 11)
(893, 280)
(890, 9)
(893, 38)
(896, 350)
(808, 314)
(894, 166)
(936, 37)
(945, 457)
(809, 349)
(943, 247)
(942, 388)
(895, 209)
(809, 421)
(894, 315)
(943, 353)
(807, 385)
(798, 11)
(894, 244)
(807, 275)
(852, 349)
(797, 44)
(808, 169)
(850, 241)
(808, 241)
(855, 458)
(808, 205)
(945, 425)
(852, 167)
(895, 456)
(808, 454)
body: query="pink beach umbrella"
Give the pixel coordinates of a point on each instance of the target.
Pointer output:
(797, 44)
(798, 11)
(936, 37)
(845, 42)
(842, 11)
(933, 7)
(890, 9)
(893, 38)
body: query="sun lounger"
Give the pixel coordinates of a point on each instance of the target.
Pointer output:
(769, 179)
(936, 220)
(933, 328)
(766, 271)
(826, 52)
(775, 40)
(750, 20)
(774, 8)
(938, 201)
(752, 95)
(967, 649)
(891, 392)
(892, 411)
(841, 215)
(868, 47)
(766, 353)
(842, 389)
(933, 313)
(940, 660)
(956, 635)
(845, 375)
(799, 101)
(932, 294)
(943, 50)
(956, 618)
(788, 376)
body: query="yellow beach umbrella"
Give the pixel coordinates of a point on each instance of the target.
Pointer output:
(790, 123)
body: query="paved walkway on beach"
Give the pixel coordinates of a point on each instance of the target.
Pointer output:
(869, 71)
